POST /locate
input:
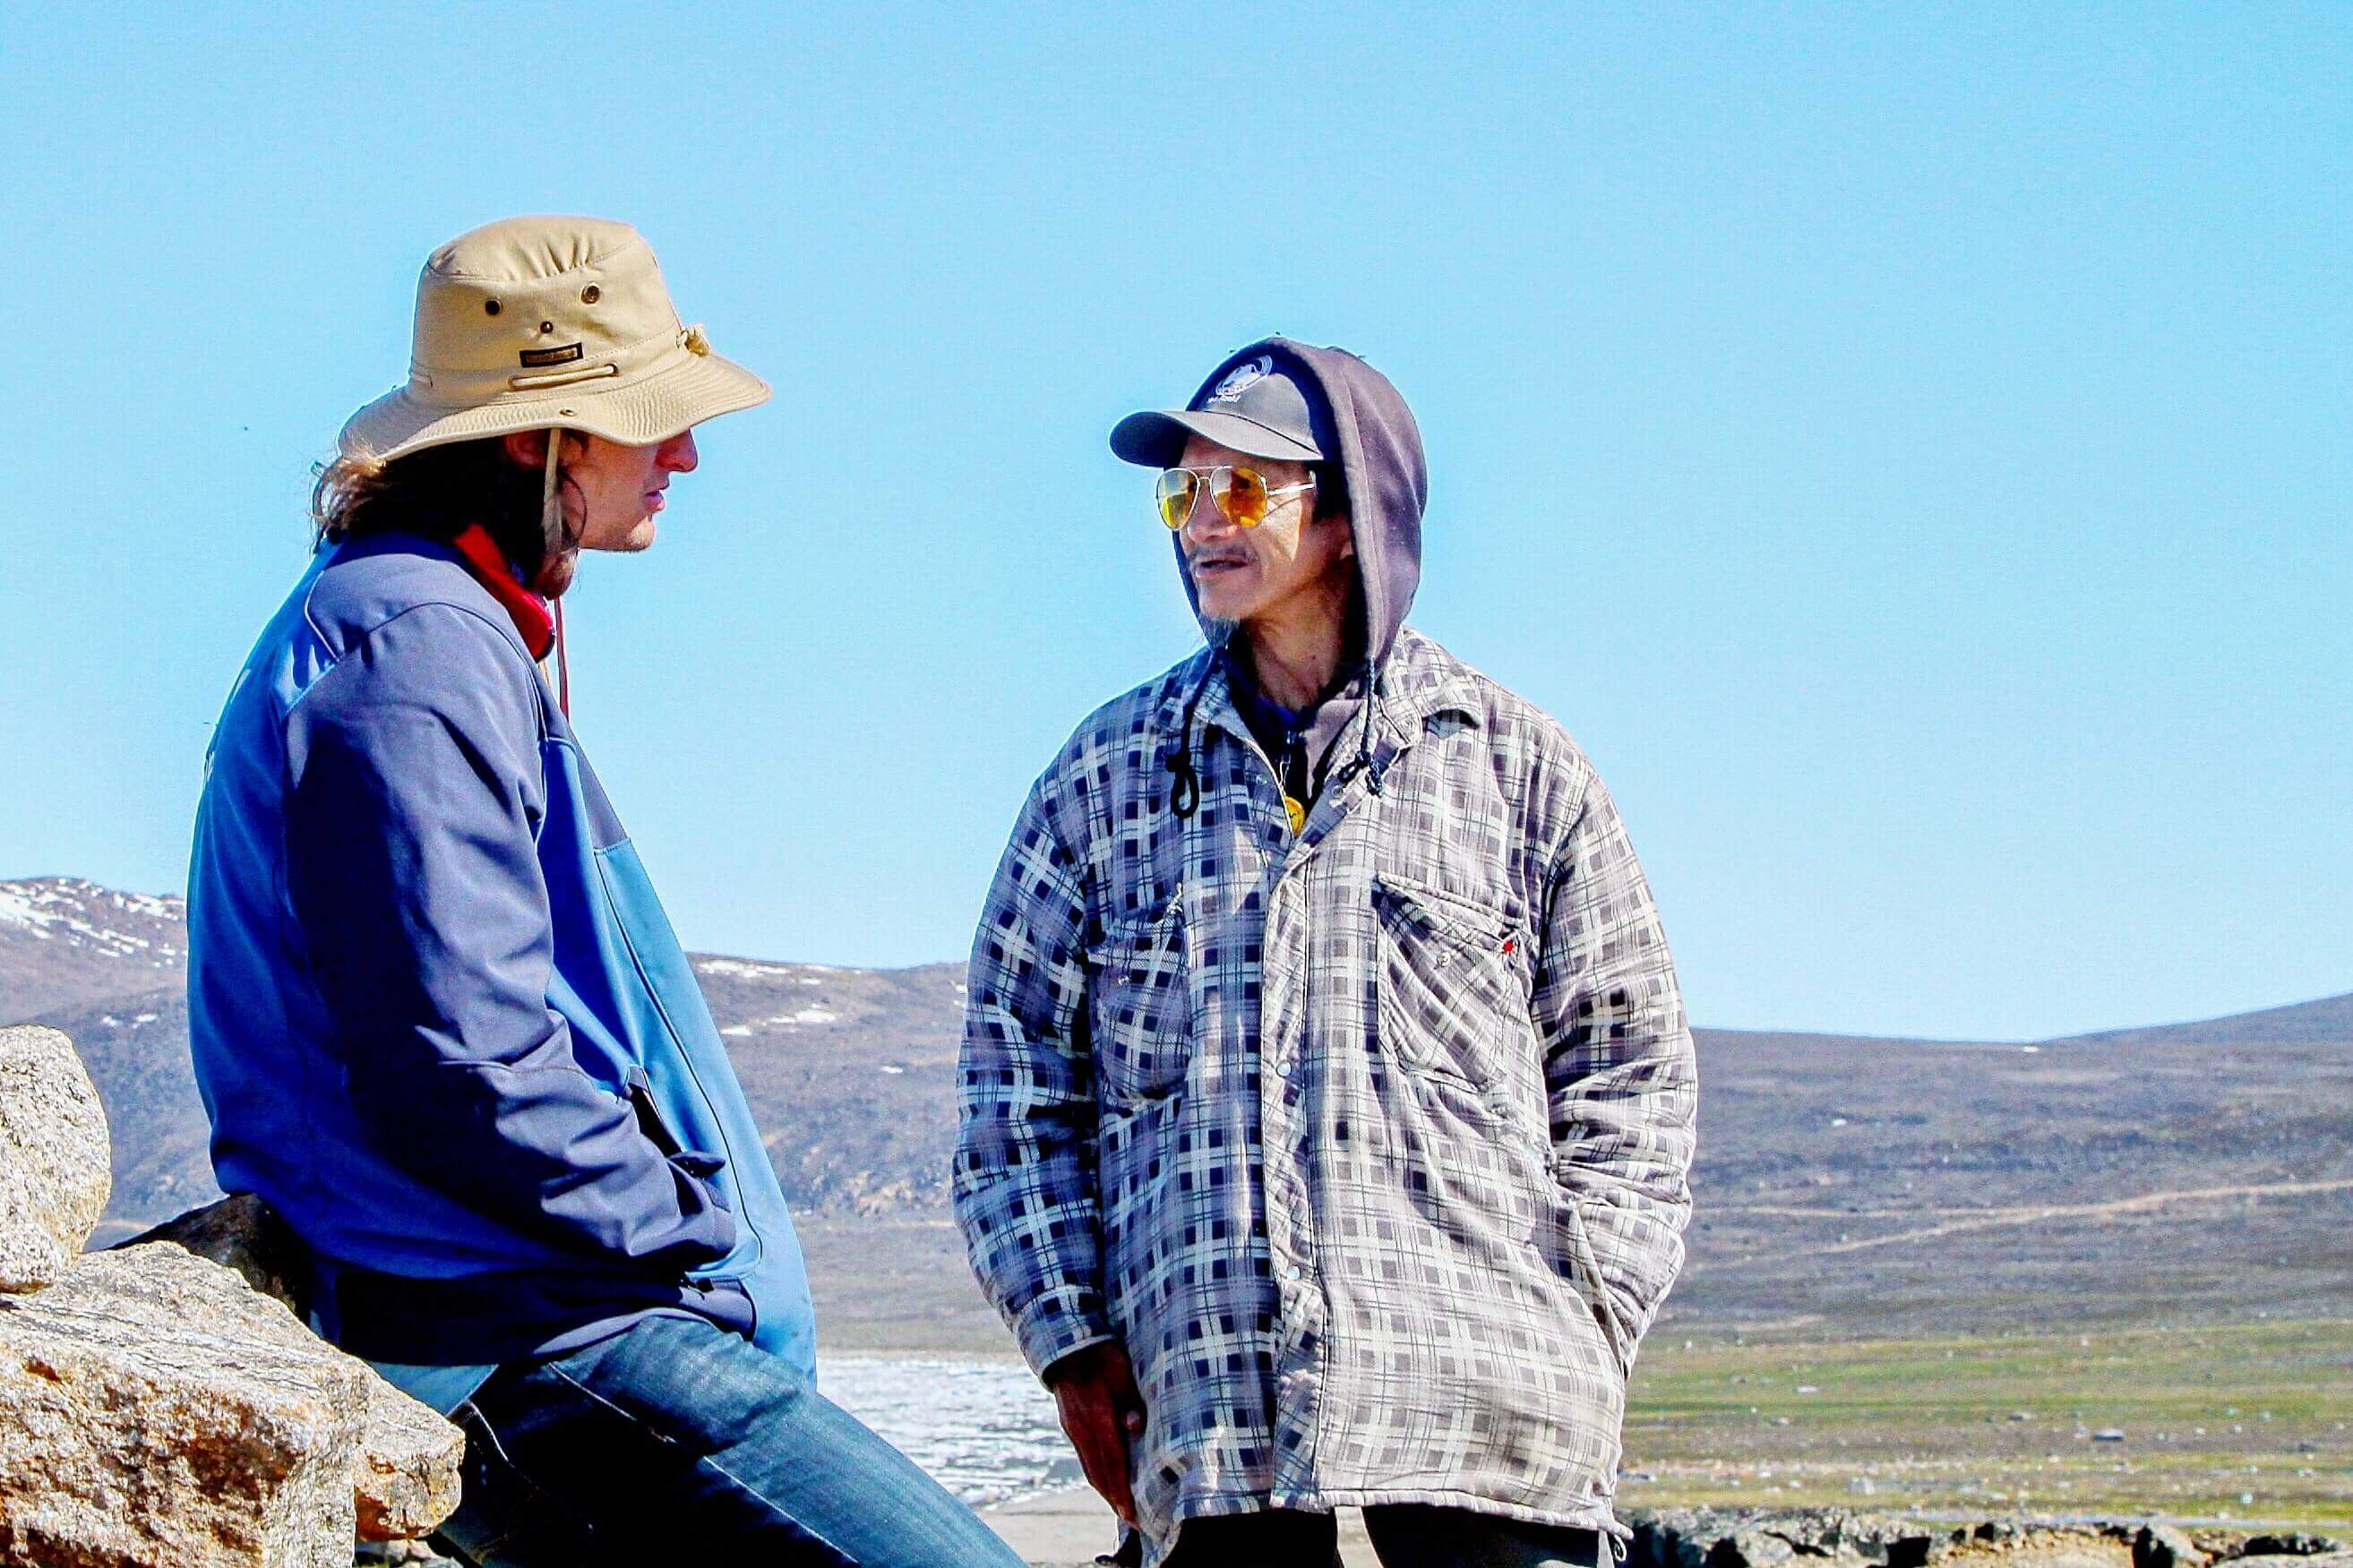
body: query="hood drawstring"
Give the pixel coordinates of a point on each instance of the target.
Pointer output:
(1185, 795)
(1363, 763)
(1365, 737)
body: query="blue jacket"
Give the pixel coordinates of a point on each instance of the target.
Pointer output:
(439, 1020)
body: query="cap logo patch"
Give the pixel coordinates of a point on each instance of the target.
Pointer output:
(1243, 377)
(534, 358)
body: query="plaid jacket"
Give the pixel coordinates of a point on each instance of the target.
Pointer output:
(1368, 1144)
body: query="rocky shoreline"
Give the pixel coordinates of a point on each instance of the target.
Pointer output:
(1067, 1530)
(1718, 1537)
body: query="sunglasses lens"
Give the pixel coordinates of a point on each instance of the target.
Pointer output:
(1242, 496)
(1173, 493)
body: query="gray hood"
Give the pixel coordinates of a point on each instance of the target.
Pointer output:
(1379, 455)
(1374, 440)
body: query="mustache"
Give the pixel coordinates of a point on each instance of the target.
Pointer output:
(1239, 557)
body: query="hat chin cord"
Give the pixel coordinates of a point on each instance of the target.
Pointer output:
(552, 530)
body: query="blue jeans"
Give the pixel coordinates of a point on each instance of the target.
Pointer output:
(678, 1441)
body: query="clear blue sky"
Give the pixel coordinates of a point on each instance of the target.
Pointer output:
(1910, 447)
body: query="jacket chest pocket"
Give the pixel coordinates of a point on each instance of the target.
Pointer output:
(1140, 1006)
(1454, 988)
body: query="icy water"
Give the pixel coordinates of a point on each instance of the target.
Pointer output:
(983, 1428)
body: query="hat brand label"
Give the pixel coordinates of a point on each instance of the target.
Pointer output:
(534, 359)
(1243, 377)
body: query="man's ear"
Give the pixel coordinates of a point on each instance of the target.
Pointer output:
(526, 449)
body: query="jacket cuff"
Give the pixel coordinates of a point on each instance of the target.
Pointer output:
(1057, 1321)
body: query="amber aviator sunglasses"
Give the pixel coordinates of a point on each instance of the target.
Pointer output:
(1240, 495)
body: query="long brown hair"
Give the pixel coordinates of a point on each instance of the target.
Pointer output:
(437, 494)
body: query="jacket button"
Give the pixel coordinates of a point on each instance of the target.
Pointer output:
(1296, 1272)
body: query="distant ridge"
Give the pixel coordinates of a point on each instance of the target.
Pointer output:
(2325, 1020)
(2321, 1020)
(1845, 1184)
(66, 941)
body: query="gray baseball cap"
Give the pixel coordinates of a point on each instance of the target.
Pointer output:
(1259, 402)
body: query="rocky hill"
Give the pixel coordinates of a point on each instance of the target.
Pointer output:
(1845, 1184)
(64, 942)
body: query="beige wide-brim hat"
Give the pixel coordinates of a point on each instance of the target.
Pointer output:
(533, 323)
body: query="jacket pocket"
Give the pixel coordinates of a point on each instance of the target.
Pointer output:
(1577, 1261)
(1140, 1006)
(700, 1164)
(1453, 995)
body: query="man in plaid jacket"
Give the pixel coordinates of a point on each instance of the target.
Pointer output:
(1327, 1099)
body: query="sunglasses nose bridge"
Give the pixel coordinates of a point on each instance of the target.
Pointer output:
(1205, 518)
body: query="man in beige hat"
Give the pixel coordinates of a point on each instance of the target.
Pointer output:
(440, 1020)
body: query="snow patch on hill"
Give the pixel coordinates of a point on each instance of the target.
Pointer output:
(745, 969)
(77, 914)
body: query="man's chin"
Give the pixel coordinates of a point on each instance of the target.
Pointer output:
(640, 537)
(1228, 608)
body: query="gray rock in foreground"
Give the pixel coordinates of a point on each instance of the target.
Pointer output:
(405, 1476)
(405, 1473)
(156, 1410)
(54, 1156)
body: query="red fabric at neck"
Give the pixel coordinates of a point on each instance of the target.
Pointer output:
(534, 621)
